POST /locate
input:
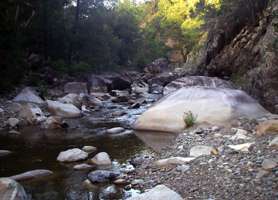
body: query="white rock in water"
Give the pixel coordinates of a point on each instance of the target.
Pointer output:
(28, 95)
(101, 158)
(274, 142)
(160, 192)
(217, 106)
(11, 190)
(201, 150)
(241, 147)
(72, 155)
(115, 130)
(174, 161)
(63, 110)
(13, 122)
(89, 149)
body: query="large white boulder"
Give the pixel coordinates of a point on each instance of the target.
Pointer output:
(28, 95)
(159, 192)
(11, 190)
(63, 109)
(72, 155)
(217, 106)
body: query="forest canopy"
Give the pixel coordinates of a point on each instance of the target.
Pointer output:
(75, 36)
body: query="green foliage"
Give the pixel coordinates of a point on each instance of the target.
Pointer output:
(189, 119)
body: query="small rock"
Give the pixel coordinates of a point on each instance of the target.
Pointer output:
(53, 122)
(72, 155)
(4, 153)
(261, 173)
(200, 150)
(269, 164)
(109, 192)
(13, 122)
(270, 126)
(120, 181)
(31, 113)
(241, 147)
(38, 173)
(101, 158)
(215, 128)
(63, 110)
(89, 149)
(88, 184)
(274, 142)
(1, 111)
(127, 168)
(115, 130)
(160, 192)
(100, 176)
(137, 182)
(174, 161)
(83, 166)
(11, 190)
(14, 132)
(183, 168)
(240, 135)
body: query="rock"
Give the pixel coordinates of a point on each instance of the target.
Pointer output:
(137, 182)
(83, 166)
(14, 132)
(261, 173)
(101, 158)
(115, 130)
(240, 135)
(1, 111)
(11, 190)
(109, 192)
(28, 95)
(53, 122)
(31, 113)
(270, 126)
(89, 149)
(201, 150)
(183, 168)
(71, 98)
(13, 122)
(274, 142)
(100, 176)
(120, 181)
(140, 88)
(90, 101)
(33, 174)
(76, 87)
(127, 168)
(4, 153)
(191, 81)
(159, 192)
(173, 161)
(269, 164)
(241, 147)
(215, 106)
(63, 110)
(72, 155)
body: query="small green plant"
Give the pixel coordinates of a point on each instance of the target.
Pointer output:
(189, 119)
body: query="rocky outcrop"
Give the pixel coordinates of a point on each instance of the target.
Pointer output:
(28, 95)
(215, 106)
(76, 87)
(245, 50)
(190, 81)
(11, 190)
(62, 109)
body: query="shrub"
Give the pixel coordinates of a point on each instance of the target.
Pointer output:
(189, 119)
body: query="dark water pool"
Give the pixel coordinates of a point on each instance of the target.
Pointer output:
(38, 149)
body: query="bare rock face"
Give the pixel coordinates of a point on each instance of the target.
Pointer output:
(62, 109)
(11, 190)
(158, 193)
(28, 95)
(215, 106)
(76, 87)
(190, 81)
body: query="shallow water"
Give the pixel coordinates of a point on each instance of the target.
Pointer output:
(37, 149)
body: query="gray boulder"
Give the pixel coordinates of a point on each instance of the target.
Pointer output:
(11, 190)
(28, 95)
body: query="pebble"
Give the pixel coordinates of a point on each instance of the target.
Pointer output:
(83, 166)
(274, 142)
(269, 164)
(115, 130)
(201, 150)
(89, 149)
(183, 168)
(241, 147)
